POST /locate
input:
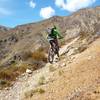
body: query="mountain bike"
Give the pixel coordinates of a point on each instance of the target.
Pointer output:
(53, 50)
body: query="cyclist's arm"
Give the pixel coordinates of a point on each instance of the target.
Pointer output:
(58, 34)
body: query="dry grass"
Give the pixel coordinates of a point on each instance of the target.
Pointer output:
(62, 42)
(39, 55)
(41, 80)
(4, 83)
(9, 74)
(60, 72)
(52, 68)
(32, 92)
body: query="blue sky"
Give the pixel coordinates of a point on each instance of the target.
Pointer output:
(17, 12)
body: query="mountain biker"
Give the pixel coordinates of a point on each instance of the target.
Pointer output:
(53, 36)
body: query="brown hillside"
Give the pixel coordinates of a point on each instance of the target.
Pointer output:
(31, 36)
(25, 72)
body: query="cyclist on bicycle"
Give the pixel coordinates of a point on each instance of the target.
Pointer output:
(52, 37)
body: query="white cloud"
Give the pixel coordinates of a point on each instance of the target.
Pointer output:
(73, 5)
(47, 12)
(32, 4)
(59, 3)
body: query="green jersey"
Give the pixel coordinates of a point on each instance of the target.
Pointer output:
(55, 33)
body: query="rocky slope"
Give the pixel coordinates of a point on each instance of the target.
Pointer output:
(27, 38)
(75, 76)
(3, 31)
(79, 80)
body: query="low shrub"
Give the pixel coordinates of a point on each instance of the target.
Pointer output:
(62, 42)
(39, 55)
(9, 74)
(51, 68)
(32, 92)
(60, 72)
(82, 48)
(41, 80)
(4, 83)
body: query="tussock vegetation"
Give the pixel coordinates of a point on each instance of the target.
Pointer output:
(60, 72)
(32, 92)
(41, 80)
(9, 74)
(81, 48)
(51, 68)
(39, 55)
(4, 83)
(62, 42)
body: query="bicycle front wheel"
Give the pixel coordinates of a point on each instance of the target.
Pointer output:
(51, 55)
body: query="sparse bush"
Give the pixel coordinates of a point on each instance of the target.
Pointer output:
(25, 55)
(29, 94)
(9, 74)
(4, 83)
(62, 42)
(41, 80)
(22, 68)
(13, 62)
(83, 35)
(51, 68)
(39, 55)
(36, 65)
(32, 92)
(40, 90)
(82, 48)
(60, 72)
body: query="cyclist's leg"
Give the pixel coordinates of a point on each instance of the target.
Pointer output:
(51, 52)
(56, 42)
(51, 43)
